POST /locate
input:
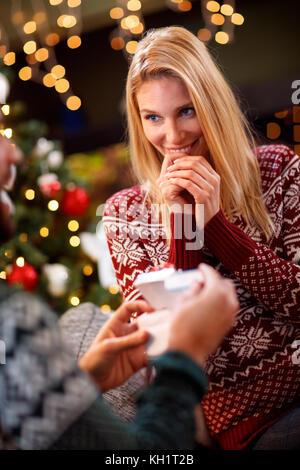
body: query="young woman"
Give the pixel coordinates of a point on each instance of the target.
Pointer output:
(191, 147)
(46, 401)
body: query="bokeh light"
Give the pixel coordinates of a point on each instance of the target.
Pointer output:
(74, 42)
(73, 103)
(30, 194)
(53, 205)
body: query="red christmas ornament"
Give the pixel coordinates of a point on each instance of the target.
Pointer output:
(50, 189)
(75, 201)
(26, 275)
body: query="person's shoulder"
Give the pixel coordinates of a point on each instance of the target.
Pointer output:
(275, 157)
(123, 199)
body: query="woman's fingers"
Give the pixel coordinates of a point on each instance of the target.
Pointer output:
(199, 194)
(191, 176)
(197, 164)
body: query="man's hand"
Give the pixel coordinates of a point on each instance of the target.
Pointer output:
(118, 350)
(204, 315)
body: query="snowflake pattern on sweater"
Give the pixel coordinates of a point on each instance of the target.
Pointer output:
(253, 378)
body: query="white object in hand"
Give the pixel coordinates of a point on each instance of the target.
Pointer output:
(158, 326)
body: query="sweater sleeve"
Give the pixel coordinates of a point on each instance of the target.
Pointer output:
(274, 281)
(185, 243)
(164, 419)
(121, 222)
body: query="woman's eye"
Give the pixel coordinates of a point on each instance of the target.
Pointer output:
(151, 117)
(187, 111)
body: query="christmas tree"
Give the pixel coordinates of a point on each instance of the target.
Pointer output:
(54, 202)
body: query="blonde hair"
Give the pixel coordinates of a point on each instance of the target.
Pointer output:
(175, 52)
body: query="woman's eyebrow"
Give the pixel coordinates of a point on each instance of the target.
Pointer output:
(186, 105)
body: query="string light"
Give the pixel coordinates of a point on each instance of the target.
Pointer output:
(116, 13)
(117, 43)
(131, 46)
(138, 29)
(213, 6)
(226, 9)
(105, 308)
(29, 47)
(58, 71)
(29, 27)
(73, 103)
(185, 6)
(134, 5)
(30, 194)
(74, 241)
(87, 270)
(49, 80)
(53, 205)
(25, 73)
(62, 85)
(52, 39)
(221, 37)
(237, 19)
(42, 54)
(9, 58)
(113, 289)
(5, 109)
(55, 2)
(2, 275)
(66, 21)
(217, 19)
(20, 262)
(204, 34)
(7, 133)
(74, 42)
(133, 24)
(44, 232)
(74, 3)
(73, 225)
(74, 300)
(132, 21)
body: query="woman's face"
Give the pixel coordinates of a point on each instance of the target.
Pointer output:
(168, 117)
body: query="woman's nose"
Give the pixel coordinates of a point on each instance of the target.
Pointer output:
(174, 135)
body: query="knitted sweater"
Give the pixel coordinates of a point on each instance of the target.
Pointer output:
(254, 376)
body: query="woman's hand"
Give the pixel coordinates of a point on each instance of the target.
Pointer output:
(188, 179)
(118, 350)
(204, 316)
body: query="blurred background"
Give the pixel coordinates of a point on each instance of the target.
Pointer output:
(63, 66)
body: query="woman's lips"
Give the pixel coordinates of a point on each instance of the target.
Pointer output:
(186, 149)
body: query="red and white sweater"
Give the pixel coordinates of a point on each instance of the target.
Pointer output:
(254, 375)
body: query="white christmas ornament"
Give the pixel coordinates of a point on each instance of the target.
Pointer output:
(4, 88)
(95, 246)
(55, 159)
(42, 147)
(46, 179)
(57, 276)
